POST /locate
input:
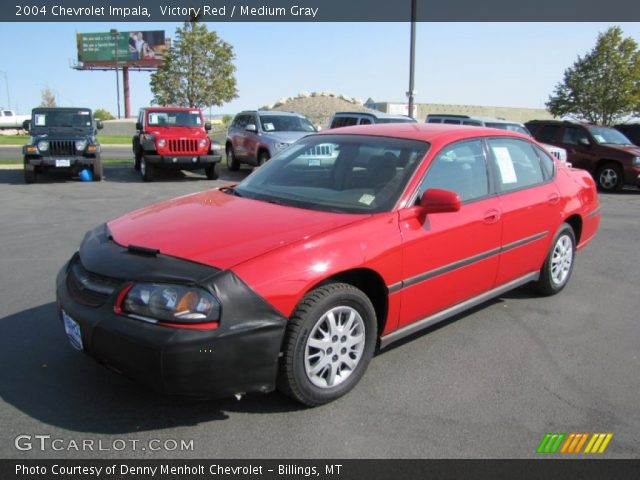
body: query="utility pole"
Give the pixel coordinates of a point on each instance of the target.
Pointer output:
(6, 81)
(412, 57)
(116, 36)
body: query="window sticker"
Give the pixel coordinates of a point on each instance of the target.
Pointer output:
(599, 138)
(505, 165)
(367, 199)
(269, 127)
(40, 120)
(83, 112)
(314, 162)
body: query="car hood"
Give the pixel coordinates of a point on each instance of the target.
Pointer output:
(632, 149)
(221, 230)
(286, 137)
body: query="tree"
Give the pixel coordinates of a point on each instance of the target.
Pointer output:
(102, 114)
(48, 99)
(602, 87)
(196, 71)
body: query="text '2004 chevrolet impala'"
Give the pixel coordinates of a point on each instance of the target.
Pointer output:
(341, 243)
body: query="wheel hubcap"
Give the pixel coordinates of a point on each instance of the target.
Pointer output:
(608, 178)
(334, 347)
(561, 260)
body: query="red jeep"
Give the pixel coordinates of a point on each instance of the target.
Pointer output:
(176, 138)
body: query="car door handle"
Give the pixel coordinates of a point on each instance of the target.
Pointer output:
(554, 198)
(492, 216)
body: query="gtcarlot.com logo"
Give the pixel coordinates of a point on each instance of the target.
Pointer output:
(574, 443)
(48, 443)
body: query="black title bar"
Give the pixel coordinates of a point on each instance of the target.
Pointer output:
(317, 10)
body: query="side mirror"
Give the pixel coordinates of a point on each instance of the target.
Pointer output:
(436, 200)
(251, 128)
(99, 125)
(207, 126)
(584, 142)
(138, 126)
(26, 125)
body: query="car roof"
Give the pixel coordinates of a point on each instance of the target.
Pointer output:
(434, 133)
(272, 112)
(481, 118)
(170, 109)
(61, 109)
(372, 114)
(566, 122)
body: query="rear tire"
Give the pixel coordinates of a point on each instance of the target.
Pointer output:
(147, 170)
(212, 171)
(233, 163)
(558, 265)
(329, 342)
(610, 178)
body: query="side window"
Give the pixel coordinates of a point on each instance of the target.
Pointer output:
(548, 133)
(461, 168)
(452, 121)
(434, 120)
(365, 121)
(242, 121)
(573, 135)
(548, 165)
(516, 163)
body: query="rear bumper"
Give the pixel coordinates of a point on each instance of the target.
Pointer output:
(183, 162)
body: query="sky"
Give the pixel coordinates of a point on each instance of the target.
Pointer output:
(491, 64)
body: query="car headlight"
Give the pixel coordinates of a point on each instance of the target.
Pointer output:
(636, 161)
(162, 143)
(281, 146)
(43, 145)
(168, 303)
(204, 142)
(81, 145)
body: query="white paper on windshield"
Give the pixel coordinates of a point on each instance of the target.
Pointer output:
(314, 162)
(505, 165)
(41, 120)
(599, 138)
(367, 199)
(268, 127)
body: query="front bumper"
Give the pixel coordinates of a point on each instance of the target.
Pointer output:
(182, 161)
(64, 162)
(632, 175)
(239, 356)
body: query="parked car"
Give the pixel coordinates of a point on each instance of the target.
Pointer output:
(349, 119)
(604, 151)
(174, 138)
(10, 121)
(254, 136)
(631, 131)
(292, 277)
(492, 122)
(62, 139)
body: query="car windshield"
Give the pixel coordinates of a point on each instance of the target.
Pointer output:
(169, 118)
(337, 173)
(286, 123)
(512, 127)
(611, 136)
(78, 119)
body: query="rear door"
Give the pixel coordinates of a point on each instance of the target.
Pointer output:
(451, 257)
(529, 204)
(579, 154)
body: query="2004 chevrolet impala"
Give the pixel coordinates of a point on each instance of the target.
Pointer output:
(346, 240)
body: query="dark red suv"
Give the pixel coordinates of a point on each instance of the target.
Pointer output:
(605, 152)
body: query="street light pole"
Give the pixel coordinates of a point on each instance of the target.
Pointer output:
(6, 81)
(412, 57)
(116, 35)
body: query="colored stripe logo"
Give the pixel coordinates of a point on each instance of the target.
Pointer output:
(574, 442)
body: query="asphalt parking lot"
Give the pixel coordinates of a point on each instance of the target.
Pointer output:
(489, 383)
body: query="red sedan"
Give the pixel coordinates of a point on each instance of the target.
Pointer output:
(345, 241)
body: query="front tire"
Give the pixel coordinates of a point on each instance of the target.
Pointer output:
(29, 175)
(609, 177)
(97, 169)
(212, 171)
(147, 170)
(329, 342)
(137, 159)
(558, 265)
(233, 163)
(263, 157)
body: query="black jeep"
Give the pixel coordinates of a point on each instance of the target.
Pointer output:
(62, 139)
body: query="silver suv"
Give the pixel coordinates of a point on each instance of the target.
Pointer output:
(491, 122)
(255, 136)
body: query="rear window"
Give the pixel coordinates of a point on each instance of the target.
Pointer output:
(344, 122)
(548, 133)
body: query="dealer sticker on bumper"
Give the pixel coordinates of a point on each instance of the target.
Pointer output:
(63, 162)
(73, 331)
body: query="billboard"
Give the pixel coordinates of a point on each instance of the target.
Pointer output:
(135, 49)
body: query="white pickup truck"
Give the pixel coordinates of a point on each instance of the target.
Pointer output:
(10, 121)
